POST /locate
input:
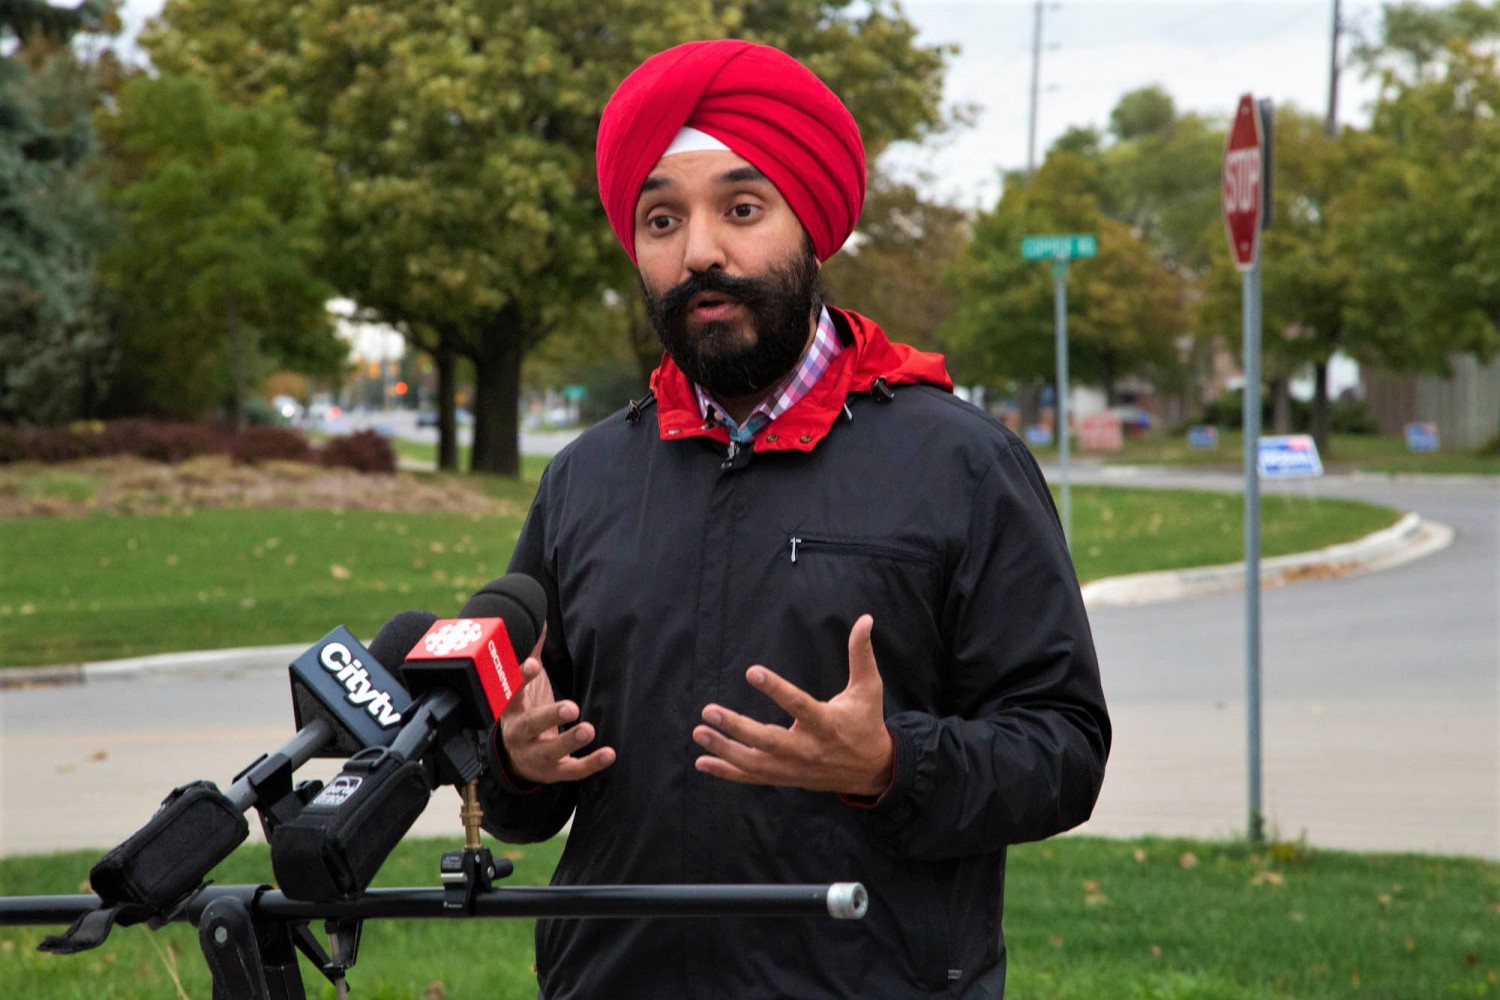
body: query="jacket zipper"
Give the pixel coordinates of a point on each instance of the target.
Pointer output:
(856, 549)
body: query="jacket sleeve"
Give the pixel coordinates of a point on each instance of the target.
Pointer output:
(1017, 749)
(516, 811)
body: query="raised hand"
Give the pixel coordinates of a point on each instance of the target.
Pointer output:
(840, 745)
(538, 748)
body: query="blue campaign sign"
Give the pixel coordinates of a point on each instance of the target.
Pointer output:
(1421, 437)
(1038, 435)
(1289, 457)
(1203, 436)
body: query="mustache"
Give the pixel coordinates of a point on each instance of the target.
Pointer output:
(672, 305)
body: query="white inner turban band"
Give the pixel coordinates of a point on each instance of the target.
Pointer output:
(690, 140)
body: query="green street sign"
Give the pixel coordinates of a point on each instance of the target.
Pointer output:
(1069, 246)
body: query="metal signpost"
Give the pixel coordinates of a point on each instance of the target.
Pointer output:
(1059, 250)
(1246, 185)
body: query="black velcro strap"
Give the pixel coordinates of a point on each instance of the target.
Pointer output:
(90, 930)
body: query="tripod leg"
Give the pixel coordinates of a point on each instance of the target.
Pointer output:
(248, 962)
(227, 936)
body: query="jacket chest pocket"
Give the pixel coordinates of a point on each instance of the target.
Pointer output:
(826, 581)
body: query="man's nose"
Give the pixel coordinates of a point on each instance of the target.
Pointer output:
(705, 245)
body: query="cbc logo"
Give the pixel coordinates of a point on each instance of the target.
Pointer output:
(453, 637)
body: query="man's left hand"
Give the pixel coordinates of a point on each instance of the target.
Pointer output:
(840, 745)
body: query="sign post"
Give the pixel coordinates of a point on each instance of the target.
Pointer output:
(1246, 182)
(1060, 250)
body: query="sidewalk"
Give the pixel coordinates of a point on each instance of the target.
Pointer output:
(1411, 538)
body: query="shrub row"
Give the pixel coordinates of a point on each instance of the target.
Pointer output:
(163, 441)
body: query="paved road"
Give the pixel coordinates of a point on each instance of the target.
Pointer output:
(1381, 692)
(1382, 710)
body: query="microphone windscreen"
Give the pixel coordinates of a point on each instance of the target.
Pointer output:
(515, 599)
(398, 636)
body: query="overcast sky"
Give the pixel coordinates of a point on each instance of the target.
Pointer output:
(1205, 53)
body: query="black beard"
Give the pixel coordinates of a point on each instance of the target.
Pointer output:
(719, 357)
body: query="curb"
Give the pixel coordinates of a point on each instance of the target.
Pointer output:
(216, 662)
(1410, 538)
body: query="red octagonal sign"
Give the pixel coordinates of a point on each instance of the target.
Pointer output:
(1242, 184)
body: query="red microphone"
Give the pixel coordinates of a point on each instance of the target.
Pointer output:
(478, 654)
(473, 657)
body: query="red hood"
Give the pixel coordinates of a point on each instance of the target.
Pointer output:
(871, 357)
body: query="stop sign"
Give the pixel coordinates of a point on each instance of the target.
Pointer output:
(1243, 187)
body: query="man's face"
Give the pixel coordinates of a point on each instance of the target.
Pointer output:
(728, 275)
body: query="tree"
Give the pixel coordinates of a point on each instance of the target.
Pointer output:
(894, 269)
(55, 349)
(458, 141)
(1424, 239)
(1124, 307)
(219, 211)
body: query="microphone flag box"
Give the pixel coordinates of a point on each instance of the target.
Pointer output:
(339, 680)
(473, 657)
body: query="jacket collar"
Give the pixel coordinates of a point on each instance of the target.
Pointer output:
(869, 356)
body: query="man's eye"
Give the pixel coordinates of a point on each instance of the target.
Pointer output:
(743, 210)
(659, 222)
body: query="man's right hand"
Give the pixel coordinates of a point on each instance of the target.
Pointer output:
(538, 749)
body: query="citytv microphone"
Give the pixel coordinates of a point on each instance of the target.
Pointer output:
(464, 672)
(351, 690)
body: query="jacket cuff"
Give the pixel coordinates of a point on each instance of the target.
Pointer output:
(902, 774)
(500, 760)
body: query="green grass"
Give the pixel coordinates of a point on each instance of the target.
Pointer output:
(80, 589)
(85, 589)
(1085, 919)
(1348, 453)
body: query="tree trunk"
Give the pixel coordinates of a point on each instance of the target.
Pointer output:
(446, 361)
(1281, 406)
(1318, 417)
(236, 360)
(497, 392)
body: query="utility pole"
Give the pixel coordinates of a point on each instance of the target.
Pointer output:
(1036, 72)
(1331, 125)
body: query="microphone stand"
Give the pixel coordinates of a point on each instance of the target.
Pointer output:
(250, 934)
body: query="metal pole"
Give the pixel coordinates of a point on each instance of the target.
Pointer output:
(1252, 544)
(1060, 311)
(1036, 69)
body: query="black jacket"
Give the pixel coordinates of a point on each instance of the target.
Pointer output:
(670, 568)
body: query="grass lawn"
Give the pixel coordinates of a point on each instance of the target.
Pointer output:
(1085, 918)
(224, 578)
(93, 588)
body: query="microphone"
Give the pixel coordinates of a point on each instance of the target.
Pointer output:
(346, 696)
(351, 690)
(464, 672)
(477, 654)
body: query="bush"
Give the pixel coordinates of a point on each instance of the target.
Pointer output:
(160, 441)
(256, 445)
(47, 444)
(363, 451)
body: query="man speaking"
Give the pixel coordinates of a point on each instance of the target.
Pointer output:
(810, 617)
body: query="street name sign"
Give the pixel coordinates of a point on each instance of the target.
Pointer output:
(1290, 456)
(1067, 246)
(1244, 187)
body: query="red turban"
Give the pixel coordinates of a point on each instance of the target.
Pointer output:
(761, 103)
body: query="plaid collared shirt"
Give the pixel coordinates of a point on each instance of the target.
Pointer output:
(799, 381)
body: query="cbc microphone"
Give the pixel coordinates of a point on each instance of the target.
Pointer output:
(477, 655)
(463, 673)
